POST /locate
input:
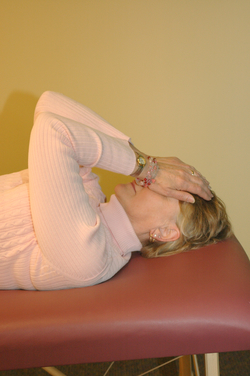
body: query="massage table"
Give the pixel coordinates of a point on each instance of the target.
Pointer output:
(196, 302)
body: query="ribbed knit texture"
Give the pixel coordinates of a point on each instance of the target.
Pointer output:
(52, 232)
(17, 239)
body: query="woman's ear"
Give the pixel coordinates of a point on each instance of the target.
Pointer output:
(165, 234)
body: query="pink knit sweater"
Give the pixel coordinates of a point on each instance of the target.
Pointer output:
(55, 229)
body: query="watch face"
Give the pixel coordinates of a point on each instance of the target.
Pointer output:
(141, 161)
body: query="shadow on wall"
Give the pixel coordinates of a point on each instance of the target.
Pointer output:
(16, 121)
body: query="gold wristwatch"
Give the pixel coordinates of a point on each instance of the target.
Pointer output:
(141, 162)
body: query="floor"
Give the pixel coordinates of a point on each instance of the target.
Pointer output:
(231, 364)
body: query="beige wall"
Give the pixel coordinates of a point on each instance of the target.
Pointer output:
(173, 74)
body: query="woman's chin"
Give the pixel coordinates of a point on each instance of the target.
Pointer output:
(122, 193)
(118, 191)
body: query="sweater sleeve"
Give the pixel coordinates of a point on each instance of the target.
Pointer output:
(69, 232)
(59, 104)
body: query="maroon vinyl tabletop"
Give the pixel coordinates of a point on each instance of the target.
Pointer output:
(190, 303)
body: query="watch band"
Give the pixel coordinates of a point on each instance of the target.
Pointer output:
(141, 162)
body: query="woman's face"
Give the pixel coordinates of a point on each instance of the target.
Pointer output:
(149, 212)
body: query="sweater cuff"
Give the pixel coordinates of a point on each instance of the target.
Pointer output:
(117, 156)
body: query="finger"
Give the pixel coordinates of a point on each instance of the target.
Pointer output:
(173, 193)
(192, 170)
(204, 192)
(173, 162)
(193, 184)
(188, 179)
(199, 189)
(181, 196)
(195, 172)
(187, 196)
(182, 180)
(203, 182)
(187, 176)
(178, 168)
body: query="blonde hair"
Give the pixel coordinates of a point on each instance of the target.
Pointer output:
(200, 224)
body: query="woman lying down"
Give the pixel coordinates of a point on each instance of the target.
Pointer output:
(57, 232)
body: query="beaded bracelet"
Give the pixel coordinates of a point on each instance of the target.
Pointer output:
(151, 173)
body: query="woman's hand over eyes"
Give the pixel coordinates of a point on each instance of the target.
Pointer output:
(178, 180)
